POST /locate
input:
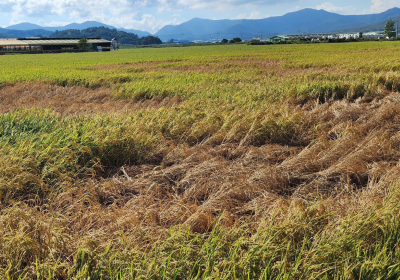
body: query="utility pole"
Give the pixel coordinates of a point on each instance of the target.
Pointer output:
(241, 34)
(217, 36)
(181, 38)
(261, 36)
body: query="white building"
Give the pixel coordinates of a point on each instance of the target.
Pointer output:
(374, 35)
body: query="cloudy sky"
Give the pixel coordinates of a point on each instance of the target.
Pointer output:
(151, 15)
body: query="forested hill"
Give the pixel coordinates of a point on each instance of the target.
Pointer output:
(9, 33)
(107, 33)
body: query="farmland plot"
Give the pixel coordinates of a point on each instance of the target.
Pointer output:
(217, 162)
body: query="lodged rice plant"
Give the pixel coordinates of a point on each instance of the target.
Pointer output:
(212, 162)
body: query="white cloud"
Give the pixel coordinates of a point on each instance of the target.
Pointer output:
(220, 5)
(297, 8)
(146, 22)
(76, 7)
(253, 15)
(138, 14)
(120, 13)
(241, 16)
(329, 7)
(379, 6)
(14, 21)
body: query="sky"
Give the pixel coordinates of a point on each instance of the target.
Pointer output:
(152, 15)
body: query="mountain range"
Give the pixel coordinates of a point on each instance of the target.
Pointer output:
(25, 26)
(303, 21)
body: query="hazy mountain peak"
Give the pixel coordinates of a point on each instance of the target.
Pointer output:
(24, 26)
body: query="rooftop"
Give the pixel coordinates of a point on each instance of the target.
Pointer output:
(280, 36)
(48, 41)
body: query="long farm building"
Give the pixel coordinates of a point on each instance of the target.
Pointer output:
(49, 45)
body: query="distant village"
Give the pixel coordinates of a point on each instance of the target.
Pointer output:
(323, 37)
(377, 35)
(52, 45)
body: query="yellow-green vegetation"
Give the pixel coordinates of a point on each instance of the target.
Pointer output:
(212, 162)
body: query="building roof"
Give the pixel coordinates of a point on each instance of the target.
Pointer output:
(47, 41)
(374, 33)
(280, 36)
(12, 42)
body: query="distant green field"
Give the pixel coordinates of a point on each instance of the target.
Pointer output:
(235, 69)
(211, 162)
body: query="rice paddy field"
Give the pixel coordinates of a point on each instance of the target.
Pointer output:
(211, 162)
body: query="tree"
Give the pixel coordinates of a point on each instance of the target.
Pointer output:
(149, 40)
(235, 40)
(224, 41)
(98, 32)
(389, 29)
(83, 44)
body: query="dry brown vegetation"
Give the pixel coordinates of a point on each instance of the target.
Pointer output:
(352, 161)
(179, 66)
(214, 184)
(349, 164)
(72, 100)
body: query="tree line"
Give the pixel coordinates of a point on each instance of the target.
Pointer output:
(107, 33)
